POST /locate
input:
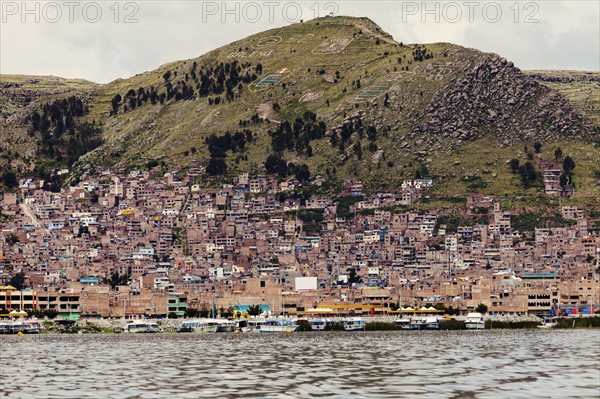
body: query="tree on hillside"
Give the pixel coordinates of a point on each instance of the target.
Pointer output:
(10, 179)
(302, 173)
(357, 149)
(353, 277)
(216, 166)
(558, 154)
(565, 180)
(275, 165)
(117, 279)
(309, 151)
(481, 308)
(116, 100)
(18, 280)
(528, 174)
(568, 164)
(514, 165)
(537, 146)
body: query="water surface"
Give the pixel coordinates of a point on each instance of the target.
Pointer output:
(394, 364)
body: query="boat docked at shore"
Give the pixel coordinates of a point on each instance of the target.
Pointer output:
(277, 325)
(224, 325)
(549, 322)
(142, 326)
(354, 324)
(319, 324)
(16, 327)
(199, 326)
(432, 323)
(404, 324)
(474, 321)
(419, 323)
(250, 325)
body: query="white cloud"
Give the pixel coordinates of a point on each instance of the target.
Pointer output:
(566, 35)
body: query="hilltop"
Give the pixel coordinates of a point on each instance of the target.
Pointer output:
(335, 97)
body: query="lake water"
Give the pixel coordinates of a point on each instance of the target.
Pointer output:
(394, 364)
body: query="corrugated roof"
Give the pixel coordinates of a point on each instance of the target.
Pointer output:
(539, 275)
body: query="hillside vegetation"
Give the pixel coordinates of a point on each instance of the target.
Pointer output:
(335, 97)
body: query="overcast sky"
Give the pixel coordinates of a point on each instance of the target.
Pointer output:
(105, 40)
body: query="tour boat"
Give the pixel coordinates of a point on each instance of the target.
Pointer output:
(549, 322)
(431, 323)
(416, 323)
(403, 323)
(142, 326)
(15, 327)
(474, 321)
(225, 325)
(199, 326)
(319, 324)
(32, 327)
(419, 323)
(250, 325)
(354, 324)
(278, 325)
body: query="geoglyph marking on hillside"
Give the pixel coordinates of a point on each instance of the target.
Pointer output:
(433, 71)
(300, 39)
(209, 118)
(256, 53)
(310, 96)
(332, 45)
(439, 71)
(270, 80)
(380, 87)
(267, 41)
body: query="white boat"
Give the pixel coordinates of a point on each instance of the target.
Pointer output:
(142, 326)
(250, 325)
(199, 326)
(32, 327)
(319, 324)
(15, 327)
(431, 323)
(422, 323)
(354, 324)
(278, 325)
(549, 322)
(474, 321)
(403, 323)
(225, 325)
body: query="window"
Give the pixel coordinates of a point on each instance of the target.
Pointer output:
(263, 283)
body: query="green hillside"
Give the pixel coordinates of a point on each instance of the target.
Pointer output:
(358, 104)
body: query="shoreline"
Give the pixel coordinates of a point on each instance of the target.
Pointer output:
(169, 326)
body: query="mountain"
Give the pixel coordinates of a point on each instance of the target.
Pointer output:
(335, 97)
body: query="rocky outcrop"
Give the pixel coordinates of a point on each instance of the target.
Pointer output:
(496, 98)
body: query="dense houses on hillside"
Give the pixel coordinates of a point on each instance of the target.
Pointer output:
(135, 245)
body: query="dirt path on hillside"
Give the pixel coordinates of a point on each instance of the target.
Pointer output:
(264, 112)
(379, 35)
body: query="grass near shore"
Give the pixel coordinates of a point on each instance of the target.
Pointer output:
(584, 322)
(453, 324)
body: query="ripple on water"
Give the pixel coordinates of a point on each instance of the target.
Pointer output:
(486, 364)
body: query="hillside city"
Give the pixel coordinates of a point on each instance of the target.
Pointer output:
(134, 244)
